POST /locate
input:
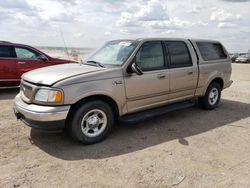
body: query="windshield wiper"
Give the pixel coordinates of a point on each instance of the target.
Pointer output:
(94, 63)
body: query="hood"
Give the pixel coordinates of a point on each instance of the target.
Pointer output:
(52, 74)
(58, 60)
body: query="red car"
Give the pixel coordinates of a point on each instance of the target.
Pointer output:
(16, 59)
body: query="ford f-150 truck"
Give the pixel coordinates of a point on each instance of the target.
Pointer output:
(124, 79)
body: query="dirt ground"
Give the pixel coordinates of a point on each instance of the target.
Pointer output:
(187, 148)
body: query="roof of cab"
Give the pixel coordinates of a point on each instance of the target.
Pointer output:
(173, 38)
(10, 43)
(3, 41)
(13, 43)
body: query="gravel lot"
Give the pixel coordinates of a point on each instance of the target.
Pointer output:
(187, 148)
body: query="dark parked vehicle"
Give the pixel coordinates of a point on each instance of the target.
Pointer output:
(16, 59)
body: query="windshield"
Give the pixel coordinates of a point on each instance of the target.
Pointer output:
(113, 52)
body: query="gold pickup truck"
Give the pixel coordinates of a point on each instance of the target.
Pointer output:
(127, 80)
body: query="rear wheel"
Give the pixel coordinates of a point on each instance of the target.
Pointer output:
(91, 122)
(212, 96)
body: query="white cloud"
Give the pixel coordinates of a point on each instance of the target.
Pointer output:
(17, 4)
(173, 23)
(153, 11)
(90, 23)
(107, 33)
(63, 17)
(67, 2)
(226, 25)
(201, 23)
(126, 19)
(133, 31)
(224, 19)
(194, 10)
(236, 1)
(78, 35)
(153, 15)
(222, 16)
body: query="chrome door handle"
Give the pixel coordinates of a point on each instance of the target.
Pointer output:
(21, 62)
(161, 76)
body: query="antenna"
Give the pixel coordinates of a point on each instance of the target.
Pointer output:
(64, 43)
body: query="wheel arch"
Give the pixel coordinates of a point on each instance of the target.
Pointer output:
(109, 100)
(218, 80)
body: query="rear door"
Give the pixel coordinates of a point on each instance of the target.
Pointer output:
(8, 68)
(183, 70)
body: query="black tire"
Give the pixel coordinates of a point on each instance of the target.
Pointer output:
(207, 102)
(78, 115)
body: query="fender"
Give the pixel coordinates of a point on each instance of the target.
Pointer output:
(121, 107)
(211, 79)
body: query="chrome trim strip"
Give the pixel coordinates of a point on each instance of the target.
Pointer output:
(7, 80)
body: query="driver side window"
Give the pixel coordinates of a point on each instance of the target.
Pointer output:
(24, 53)
(150, 56)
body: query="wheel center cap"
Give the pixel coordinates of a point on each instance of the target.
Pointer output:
(93, 120)
(212, 95)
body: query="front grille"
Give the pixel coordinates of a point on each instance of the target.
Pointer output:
(26, 90)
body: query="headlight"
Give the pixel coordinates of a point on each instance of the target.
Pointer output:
(49, 96)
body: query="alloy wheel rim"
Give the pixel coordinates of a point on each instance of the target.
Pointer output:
(94, 123)
(213, 96)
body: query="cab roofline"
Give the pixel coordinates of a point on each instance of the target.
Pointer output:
(145, 39)
(173, 38)
(3, 41)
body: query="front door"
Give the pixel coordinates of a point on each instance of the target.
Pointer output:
(151, 88)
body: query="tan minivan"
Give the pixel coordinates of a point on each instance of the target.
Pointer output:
(130, 80)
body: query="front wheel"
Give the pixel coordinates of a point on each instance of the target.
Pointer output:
(91, 122)
(212, 96)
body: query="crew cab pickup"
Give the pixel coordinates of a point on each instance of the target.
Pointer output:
(123, 79)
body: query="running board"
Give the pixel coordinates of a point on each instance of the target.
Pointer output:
(144, 115)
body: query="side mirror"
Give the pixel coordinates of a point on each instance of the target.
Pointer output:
(136, 69)
(42, 58)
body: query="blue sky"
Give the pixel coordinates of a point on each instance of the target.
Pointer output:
(91, 23)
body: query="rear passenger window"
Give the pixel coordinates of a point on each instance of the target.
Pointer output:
(179, 54)
(211, 51)
(150, 56)
(5, 51)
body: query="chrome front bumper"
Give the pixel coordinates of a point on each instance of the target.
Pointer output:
(43, 117)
